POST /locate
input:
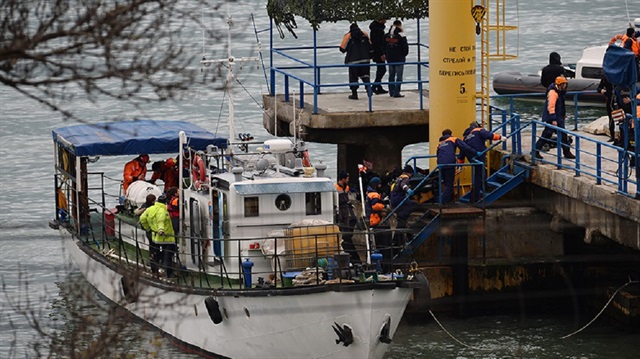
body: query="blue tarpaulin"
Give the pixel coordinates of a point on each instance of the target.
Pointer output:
(619, 66)
(133, 137)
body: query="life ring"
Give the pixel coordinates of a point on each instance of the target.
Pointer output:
(213, 308)
(198, 172)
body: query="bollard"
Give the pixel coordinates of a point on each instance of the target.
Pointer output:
(246, 271)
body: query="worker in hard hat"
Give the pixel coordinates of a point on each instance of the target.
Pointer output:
(167, 171)
(135, 170)
(555, 113)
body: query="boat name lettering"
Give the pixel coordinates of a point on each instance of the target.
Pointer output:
(457, 73)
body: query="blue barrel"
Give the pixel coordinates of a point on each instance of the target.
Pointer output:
(246, 271)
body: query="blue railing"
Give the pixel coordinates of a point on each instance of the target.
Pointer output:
(622, 176)
(309, 74)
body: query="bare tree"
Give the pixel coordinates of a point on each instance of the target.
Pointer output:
(53, 50)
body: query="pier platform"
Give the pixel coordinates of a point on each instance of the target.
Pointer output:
(359, 131)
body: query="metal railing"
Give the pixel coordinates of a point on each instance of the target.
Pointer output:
(310, 75)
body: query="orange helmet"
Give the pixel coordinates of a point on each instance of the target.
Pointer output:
(561, 80)
(170, 162)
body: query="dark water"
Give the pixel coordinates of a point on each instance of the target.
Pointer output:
(36, 274)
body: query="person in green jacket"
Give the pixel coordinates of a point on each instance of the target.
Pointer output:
(156, 219)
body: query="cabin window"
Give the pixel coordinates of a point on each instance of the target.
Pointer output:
(251, 207)
(313, 203)
(283, 202)
(592, 72)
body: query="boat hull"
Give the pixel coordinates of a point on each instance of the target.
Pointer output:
(276, 323)
(513, 82)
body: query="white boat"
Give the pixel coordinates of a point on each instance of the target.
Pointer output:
(247, 212)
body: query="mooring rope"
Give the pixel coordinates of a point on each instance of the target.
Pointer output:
(446, 331)
(602, 310)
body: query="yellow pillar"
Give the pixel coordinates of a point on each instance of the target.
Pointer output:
(452, 68)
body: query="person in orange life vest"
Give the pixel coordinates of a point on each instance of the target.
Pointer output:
(167, 171)
(359, 50)
(554, 113)
(344, 215)
(476, 137)
(446, 154)
(173, 206)
(135, 170)
(374, 211)
(630, 42)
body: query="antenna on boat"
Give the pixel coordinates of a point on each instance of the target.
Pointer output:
(230, 61)
(626, 5)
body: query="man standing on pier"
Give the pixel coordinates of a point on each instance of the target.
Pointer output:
(377, 40)
(554, 113)
(359, 50)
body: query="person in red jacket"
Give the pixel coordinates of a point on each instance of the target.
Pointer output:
(173, 207)
(167, 171)
(135, 170)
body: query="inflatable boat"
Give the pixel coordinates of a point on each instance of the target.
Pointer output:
(583, 77)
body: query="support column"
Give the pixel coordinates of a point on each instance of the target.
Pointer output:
(452, 68)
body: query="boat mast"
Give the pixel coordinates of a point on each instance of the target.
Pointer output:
(230, 61)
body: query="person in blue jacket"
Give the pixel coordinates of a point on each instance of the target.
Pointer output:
(397, 49)
(476, 137)
(446, 154)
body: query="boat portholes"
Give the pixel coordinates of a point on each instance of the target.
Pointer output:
(213, 308)
(283, 202)
(246, 312)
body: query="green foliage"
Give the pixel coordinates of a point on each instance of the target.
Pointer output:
(283, 12)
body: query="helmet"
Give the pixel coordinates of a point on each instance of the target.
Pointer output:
(561, 80)
(170, 162)
(144, 158)
(162, 199)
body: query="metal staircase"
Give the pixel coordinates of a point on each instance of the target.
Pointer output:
(500, 183)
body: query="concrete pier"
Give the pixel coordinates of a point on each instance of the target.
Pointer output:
(377, 136)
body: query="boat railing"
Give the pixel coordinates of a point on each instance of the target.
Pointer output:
(318, 253)
(310, 74)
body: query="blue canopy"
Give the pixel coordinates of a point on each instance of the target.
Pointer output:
(619, 66)
(133, 137)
